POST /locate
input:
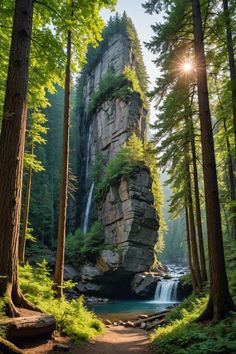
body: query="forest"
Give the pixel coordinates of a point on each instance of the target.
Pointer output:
(117, 229)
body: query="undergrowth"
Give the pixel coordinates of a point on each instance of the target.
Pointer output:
(182, 336)
(72, 318)
(81, 246)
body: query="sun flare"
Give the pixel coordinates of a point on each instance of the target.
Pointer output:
(187, 67)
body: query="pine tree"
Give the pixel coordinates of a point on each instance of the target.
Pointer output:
(11, 155)
(220, 302)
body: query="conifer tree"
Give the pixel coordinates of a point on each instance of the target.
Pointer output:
(11, 154)
(220, 301)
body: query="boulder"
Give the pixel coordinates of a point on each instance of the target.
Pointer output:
(70, 273)
(94, 288)
(144, 285)
(108, 261)
(90, 272)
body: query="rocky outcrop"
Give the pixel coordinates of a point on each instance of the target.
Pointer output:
(130, 224)
(144, 284)
(127, 210)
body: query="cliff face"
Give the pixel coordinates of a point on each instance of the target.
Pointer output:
(126, 211)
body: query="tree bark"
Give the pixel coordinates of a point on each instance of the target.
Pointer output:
(231, 182)
(192, 231)
(220, 300)
(232, 66)
(198, 209)
(59, 271)
(193, 278)
(25, 215)
(12, 142)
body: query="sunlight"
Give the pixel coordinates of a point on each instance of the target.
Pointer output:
(187, 67)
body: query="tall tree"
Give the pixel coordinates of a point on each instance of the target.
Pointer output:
(232, 66)
(59, 271)
(198, 206)
(86, 18)
(193, 278)
(35, 133)
(220, 301)
(12, 142)
(191, 220)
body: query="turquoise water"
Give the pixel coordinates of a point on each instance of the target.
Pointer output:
(129, 307)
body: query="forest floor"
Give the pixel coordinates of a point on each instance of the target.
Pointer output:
(116, 340)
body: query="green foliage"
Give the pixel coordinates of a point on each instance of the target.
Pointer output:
(131, 75)
(97, 167)
(111, 86)
(81, 246)
(124, 26)
(128, 160)
(230, 258)
(182, 336)
(116, 86)
(72, 317)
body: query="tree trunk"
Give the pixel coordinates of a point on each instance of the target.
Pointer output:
(231, 182)
(59, 271)
(12, 142)
(220, 300)
(194, 283)
(193, 239)
(198, 209)
(25, 215)
(232, 66)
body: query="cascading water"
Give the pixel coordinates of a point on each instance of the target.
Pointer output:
(87, 210)
(166, 291)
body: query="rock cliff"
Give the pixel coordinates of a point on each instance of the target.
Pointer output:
(126, 211)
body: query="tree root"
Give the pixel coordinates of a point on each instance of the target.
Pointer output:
(215, 315)
(14, 299)
(22, 302)
(9, 348)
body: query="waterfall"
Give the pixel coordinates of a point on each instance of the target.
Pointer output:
(87, 151)
(87, 210)
(166, 291)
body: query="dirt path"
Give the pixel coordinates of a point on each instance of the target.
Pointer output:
(116, 340)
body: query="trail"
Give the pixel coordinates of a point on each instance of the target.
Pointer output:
(116, 340)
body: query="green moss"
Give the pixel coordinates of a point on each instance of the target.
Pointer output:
(109, 88)
(116, 86)
(127, 161)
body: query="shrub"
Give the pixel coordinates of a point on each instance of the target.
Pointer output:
(128, 160)
(72, 318)
(182, 336)
(81, 246)
(109, 88)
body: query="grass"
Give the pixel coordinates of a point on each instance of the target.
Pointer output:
(72, 318)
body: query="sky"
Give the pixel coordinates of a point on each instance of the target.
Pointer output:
(142, 22)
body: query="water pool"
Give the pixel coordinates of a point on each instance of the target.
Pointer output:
(128, 308)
